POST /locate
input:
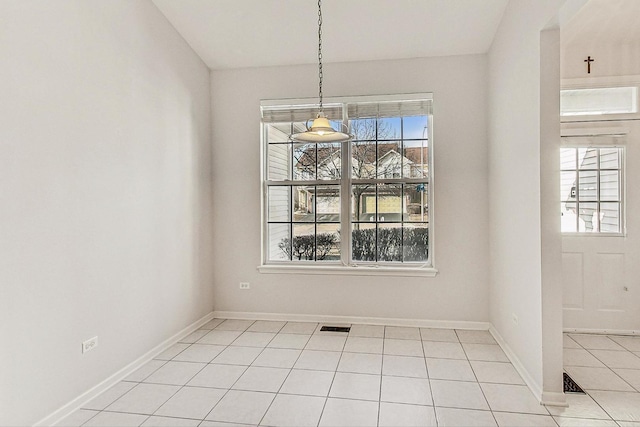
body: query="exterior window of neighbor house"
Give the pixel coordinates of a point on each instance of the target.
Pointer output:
(591, 189)
(363, 202)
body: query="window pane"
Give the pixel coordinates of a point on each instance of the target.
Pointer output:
(303, 203)
(567, 186)
(363, 160)
(569, 218)
(279, 242)
(363, 129)
(363, 202)
(568, 158)
(587, 158)
(328, 242)
(390, 202)
(415, 162)
(609, 186)
(610, 218)
(279, 161)
(279, 204)
(588, 218)
(278, 132)
(363, 242)
(414, 127)
(389, 242)
(304, 245)
(304, 161)
(588, 189)
(389, 160)
(328, 203)
(416, 199)
(609, 158)
(329, 161)
(389, 128)
(415, 242)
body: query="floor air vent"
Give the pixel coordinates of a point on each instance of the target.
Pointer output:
(570, 385)
(344, 329)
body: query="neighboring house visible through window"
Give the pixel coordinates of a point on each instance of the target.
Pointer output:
(376, 213)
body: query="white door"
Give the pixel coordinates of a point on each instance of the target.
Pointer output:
(601, 270)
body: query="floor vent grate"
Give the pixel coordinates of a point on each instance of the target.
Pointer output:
(345, 329)
(570, 385)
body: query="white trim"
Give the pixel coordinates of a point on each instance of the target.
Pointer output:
(594, 131)
(85, 397)
(545, 398)
(319, 318)
(348, 99)
(602, 331)
(355, 270)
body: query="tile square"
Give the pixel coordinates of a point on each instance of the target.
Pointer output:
(512, 398)
(219, 376)
(583, 422)
(206, 423)
(355, 386)
(567, 342)
(579, 357)
(443, 350)
(404, 366)
(620, 406)
(156, 421)
(399, 347)
(496, 372)
(194, 336)
(458, 394)
(507, 419)
(628, 342)
(244, 407)
(450, 369)
(191, 402)
(318, 360)
(172, 351)
(115, 419)
(77, 418)
(294, 341)
(266, 326)
(277, 358)
(397, 414)
(402, 333)
(143, 399)
(237, 355)
(486, 352)
(175, 373)
(434, 334)
(109, 396)
(261, 379)
(203, 353)
(294, 411)
(254, 339)
(145, 370)
(309, 383)
(597, 379)
(326, 342)
(475, 337)
(234, 325)
(617, 359)
(211, 324)
(219, 337)
(631, 376)
(360, 363)
(368, 331)
(305, 328)
(451, 417)
(364, 345)
(595, 342)
(415, 391)
(349, 413)
(580, 406)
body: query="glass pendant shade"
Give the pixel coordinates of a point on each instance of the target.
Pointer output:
(320, 131)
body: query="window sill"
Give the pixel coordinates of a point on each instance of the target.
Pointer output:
(349, 271)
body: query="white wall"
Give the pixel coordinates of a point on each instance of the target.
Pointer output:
(459, 292)
(517, 224)
(105, 194)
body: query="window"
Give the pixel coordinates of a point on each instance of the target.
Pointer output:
(591, 189)
(363, 202)
(598, 101)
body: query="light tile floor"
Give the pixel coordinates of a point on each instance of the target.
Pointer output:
(246, 373)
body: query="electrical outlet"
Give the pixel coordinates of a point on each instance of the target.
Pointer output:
(515, 318)
(245, 285)
(89, 344)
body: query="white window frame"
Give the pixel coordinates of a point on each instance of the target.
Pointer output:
(601, 83)
(426, 269)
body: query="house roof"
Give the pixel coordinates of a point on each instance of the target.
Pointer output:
(366, 152)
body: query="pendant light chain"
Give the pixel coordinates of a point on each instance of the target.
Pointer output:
(320, 54)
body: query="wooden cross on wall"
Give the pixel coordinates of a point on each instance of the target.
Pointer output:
(589, 61)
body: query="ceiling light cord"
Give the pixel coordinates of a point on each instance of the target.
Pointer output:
(320, 109)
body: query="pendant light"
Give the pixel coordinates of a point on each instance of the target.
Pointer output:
(320, 130)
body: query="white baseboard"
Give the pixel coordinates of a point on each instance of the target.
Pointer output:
(79, 401)
(602, 331)
(545, 398)
(416, 323)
